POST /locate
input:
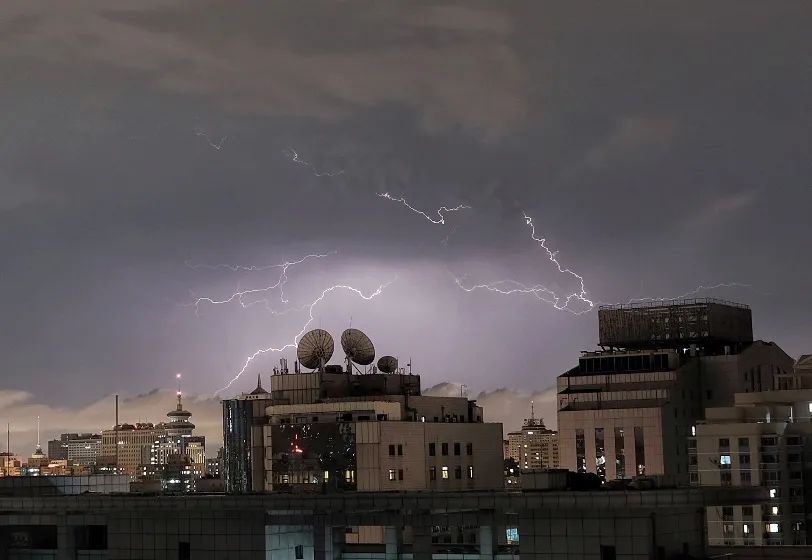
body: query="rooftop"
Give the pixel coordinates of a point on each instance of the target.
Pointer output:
(674, 303)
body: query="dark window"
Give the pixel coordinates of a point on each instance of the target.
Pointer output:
(400, 450)
(458, 472)
(747, 511)
(445, 449)
(315, 419)
(744, 443)
(608, 552)
(727, 511)
(469, 448)
(91, 537)
(640, 450)
(432, 473)
(391, 450)
(580, 450)
(431, 450)
(299, 551)
(793, 440)
(184, 551)
(724, 442)
(709, 394)
(456, 448)
(400, 474)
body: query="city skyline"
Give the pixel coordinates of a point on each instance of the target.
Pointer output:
(650, 163)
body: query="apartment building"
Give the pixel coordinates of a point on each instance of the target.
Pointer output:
(534, 447)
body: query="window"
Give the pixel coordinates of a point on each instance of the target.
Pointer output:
(445, 473)
(744, 443)
(299, 551)
(608, 552)
(725, 477)
(445, 449)
(773, 493)
(793, 440)
(768, 441)
(400, 450)
(747, 528)
(458, 473)
(747, 511)
(774, 510)
(772, 527)
(640, 450)
(724, 443)
(580, 450)
(469, 448)
(400, 474)
(456, 448)
(693, 431)
(727, 512)
(694, 478)
(392, 474)
(184, 551)
(431, 449)
(794, 458)
(744, 459)
(724, 460)
(746, 480)
(692, 460)
(391, 450)
(709, 394)
(470, 472)
(432, 473)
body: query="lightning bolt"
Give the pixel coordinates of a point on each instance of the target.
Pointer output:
(693, 292)
(216, 145)
(440, 210)
(293, 155)
(239, 295)
(301, 332)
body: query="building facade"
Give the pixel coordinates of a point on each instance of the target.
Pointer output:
(130, 445)
(765, 440)
(85, 449)
(628, 411)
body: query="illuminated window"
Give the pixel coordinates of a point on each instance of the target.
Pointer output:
(470, 472)
(810, 407)
(746, 529)
(445, 473)
(775, 510)
(772, 527)
(693, 430)
(773, 492)
(724, 460)
(392, 474)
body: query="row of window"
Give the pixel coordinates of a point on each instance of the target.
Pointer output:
(397, 474)
(766, 441)
(469, 449)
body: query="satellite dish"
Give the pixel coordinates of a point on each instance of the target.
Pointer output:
(315, 348)
(358, 347)
(388, 364)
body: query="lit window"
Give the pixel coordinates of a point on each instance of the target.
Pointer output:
(772, 492)
(775, 510)
(746, 528)
(470, 472)
(772, 527)
(693, 430)
(810, 407)
(724, 459)
(445, 473)
(392, 474)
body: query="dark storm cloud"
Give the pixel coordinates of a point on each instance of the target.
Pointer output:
(657, 148)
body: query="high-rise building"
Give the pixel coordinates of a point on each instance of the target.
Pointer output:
(129, 445)
(84, 449)
(534, 447)
(763, 440)
(58, 448)
(627, 409)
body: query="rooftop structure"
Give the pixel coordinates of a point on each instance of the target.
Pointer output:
(704, 322)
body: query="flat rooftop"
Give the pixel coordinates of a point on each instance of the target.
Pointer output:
(674, 303)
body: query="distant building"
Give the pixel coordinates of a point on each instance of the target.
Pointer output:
(58, 448)
(627, 410)
(85, 449)
(214, 465)
(534, 447)
(129, 445)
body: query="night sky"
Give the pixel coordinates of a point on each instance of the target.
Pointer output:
(657, 149)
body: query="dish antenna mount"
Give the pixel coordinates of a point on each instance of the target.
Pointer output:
(357, 347)
(315, 349)
(388, 364)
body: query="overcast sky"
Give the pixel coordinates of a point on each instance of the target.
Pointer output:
(657, 149)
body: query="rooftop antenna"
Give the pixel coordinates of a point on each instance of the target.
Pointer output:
(410, 365)
(463, 387)
(315, 349)
(39, 447)
(8, 438)
(358, 348)
(116, 434)
(532, 413)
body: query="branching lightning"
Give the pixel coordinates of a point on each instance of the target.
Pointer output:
(293, 155)
(693, 292)
(301, 332)
(440, 211)
(216, 145)
(239, 295)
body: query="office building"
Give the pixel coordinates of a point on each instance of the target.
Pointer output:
(763, 440)
(84, 449)
(58, 448)
(626, 410)
(130, 445)
(534, 447)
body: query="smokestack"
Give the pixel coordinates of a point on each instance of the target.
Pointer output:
(116, 434)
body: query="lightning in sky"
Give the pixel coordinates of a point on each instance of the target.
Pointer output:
(293, 155)
(216, 145)
(693, 292)
(239, 295)
(440, 211)
(301, 332)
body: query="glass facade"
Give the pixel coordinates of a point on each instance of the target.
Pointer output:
(620, 457)
(315, 457)
(580, 449)
(640, 450)
(237, 445)
(600, 454)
